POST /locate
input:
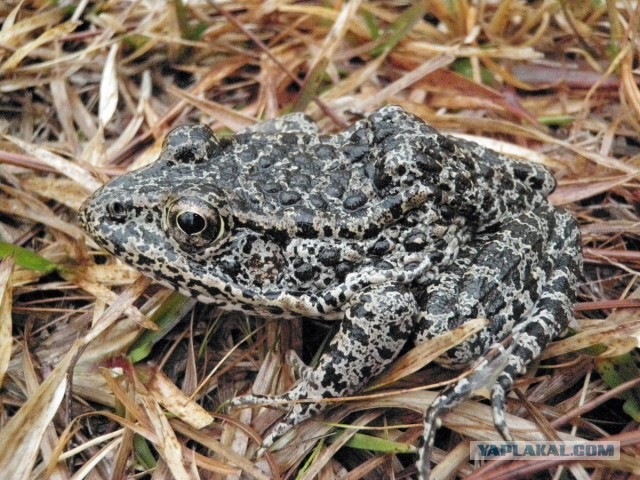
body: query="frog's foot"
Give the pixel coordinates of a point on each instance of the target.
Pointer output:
(502, 363)
(377, 323)
(521, 278)
(553, 308)
(484, 372)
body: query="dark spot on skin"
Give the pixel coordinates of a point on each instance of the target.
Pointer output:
(143, 260)
(427, 165)
(246, 248)
(448, 144)
(507, 184)
(289, 139)
(487, 202)
(248, 154)
(185, 154)
(343, 269)
(334, 191)
(354, 201)
(415, 242)
(537, 182)
(304, 272)
(469, 212)
(369, 170)
(440, 244)
(279, 152)
(468, 162)
(346, 232)
(393, 204)
(391, 146)
(381, 179)
(383, 265)
(289, 197)
(383, 130)
(192, 144)
(359, 137)
(520, 174)
(318, 202)
(463, 184)
(380, 247)
(329, 256)
(265, 162)
(447, 213)
(355, 153)
(436, 257)
(324, 152)
(371, 231)
(177, 137)
(271, 187)
(330, 300)
(327, 231)
(174, 270)
(301, 161)
(409, 180)
(230, 266)
(518, 309)
(304, 224)
(301, 181)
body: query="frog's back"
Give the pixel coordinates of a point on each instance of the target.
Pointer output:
(354, 184)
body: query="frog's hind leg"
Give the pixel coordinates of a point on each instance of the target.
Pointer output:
(378, 322)
(522, 279)
(551, 314)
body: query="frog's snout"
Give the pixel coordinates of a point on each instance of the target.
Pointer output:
(85, 215)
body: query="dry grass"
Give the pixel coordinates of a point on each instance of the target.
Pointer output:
(89, 93)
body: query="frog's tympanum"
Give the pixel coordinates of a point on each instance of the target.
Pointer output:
(395, 230)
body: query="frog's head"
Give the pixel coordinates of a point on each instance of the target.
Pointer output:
(174, 221)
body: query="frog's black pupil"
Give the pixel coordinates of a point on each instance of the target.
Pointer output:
(191, 223)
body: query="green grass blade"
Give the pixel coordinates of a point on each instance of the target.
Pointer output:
(27, 259)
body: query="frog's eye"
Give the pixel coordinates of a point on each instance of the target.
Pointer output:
(194, 223)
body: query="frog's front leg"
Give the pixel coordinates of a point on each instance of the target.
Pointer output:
(522, 279)
(377, 323)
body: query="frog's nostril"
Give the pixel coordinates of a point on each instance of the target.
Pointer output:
(117, 210)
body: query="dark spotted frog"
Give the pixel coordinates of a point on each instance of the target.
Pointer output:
(395, 230)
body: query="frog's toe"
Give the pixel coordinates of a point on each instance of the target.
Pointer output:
(296, 412)
(275, 401)
(498, 398)
(484, 372)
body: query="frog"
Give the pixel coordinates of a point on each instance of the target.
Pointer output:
(398, 232)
